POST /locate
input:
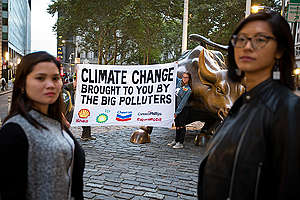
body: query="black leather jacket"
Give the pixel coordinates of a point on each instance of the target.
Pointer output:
(255, 154)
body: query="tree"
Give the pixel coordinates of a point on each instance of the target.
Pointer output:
(145, 31)
(217, 19)
(123, 31)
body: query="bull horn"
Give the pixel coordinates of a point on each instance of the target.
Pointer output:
(205, 71)
(200, 38)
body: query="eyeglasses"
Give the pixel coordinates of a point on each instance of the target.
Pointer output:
(257, 41)
(185, 77)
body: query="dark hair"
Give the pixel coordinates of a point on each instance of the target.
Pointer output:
(281, 30)
(190, 78)
(20, 103)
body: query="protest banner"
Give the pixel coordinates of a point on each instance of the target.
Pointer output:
(136, 95)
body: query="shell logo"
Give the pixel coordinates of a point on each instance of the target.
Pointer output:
(84, 113)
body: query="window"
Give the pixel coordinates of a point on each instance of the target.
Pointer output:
(4, 36)
(4, 21)
(4, 14)
(4, 29)
(5, 6)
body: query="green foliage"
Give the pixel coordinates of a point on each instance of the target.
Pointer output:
(145, 31)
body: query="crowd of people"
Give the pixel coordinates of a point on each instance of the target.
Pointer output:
(255, 152)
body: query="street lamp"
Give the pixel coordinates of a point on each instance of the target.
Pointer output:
(66, 52)
(5, 66)
(256, 9)
(6, 56)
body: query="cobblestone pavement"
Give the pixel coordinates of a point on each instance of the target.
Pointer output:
(118, 169)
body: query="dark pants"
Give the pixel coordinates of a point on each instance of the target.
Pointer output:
(86, 132)
(180, 121)
(3, 88)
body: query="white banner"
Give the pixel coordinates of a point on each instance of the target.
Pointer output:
(137, 95)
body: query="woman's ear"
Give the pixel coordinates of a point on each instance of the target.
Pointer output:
(279, 53)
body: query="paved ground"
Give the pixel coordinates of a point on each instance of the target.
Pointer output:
(118, 169)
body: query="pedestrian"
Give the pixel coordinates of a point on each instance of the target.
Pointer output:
(255, 153)
(183, 92)
(3, 84)
(13, 79)
(86, 130)
(40, 159)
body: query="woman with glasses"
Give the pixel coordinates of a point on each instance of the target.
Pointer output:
(255, 153)
(183, 92)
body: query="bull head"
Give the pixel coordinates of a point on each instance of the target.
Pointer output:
(217, 93)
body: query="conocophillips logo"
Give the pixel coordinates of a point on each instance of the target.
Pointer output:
(84, 113)
(154, 113)
(102, 118)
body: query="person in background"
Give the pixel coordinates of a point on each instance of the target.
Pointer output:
(40, 158)
(13, 79)
(255, 154)
(86, 130)
(183, 92)
(3, 84)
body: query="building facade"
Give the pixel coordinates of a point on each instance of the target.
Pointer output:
(292, 13)
(16, 34)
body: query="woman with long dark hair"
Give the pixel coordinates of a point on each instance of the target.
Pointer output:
(255, 153)
(40, 159)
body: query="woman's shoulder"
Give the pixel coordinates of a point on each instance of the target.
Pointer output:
(282, 98)
(286, 96)
(12, 132)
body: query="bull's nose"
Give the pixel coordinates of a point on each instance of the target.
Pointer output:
(223, 112)
(227, 110)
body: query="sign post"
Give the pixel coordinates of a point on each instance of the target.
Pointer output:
(248, 8)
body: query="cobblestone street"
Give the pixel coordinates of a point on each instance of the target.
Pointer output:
(118, 169)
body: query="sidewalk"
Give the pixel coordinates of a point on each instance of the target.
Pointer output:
(118, 169)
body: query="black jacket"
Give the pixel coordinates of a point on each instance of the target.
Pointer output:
(70, 100)
(14, 152)
(255, 154)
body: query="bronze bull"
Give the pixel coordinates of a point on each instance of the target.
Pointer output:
(213, 93)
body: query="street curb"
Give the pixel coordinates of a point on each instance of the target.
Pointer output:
(5, 92)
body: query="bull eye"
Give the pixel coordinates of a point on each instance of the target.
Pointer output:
(208, 86)
(219, 90)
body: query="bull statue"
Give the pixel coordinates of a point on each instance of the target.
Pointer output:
(213, 93)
